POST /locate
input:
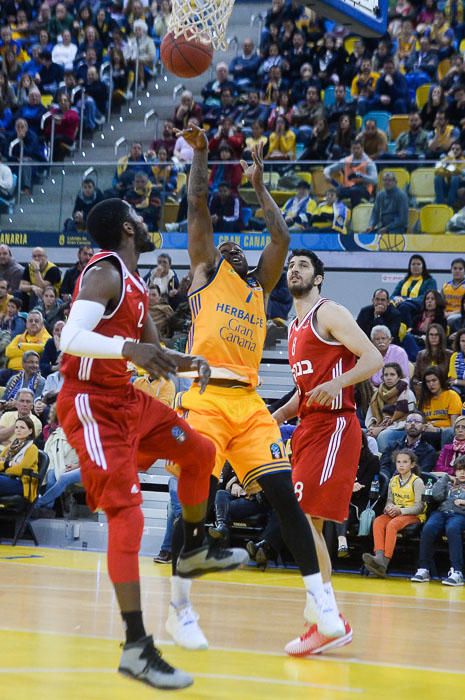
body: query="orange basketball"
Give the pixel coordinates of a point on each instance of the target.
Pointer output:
(185, 57)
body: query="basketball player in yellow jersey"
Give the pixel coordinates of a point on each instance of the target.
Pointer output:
(228, 306)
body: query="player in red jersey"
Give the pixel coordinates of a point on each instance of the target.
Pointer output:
(117, 430)
(328, 354)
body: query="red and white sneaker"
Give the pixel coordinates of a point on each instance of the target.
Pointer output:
(313, 642)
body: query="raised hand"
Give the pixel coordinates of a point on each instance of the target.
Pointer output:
(195, 137)
(254, 171)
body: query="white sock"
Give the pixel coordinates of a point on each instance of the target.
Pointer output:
(314, 585)
(330, 597)
(180, 590)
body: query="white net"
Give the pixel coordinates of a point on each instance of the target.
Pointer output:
(205, 20)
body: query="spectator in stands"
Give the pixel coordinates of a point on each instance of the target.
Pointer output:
(28, 378)
(65, 52)
(163, 276)
(359, 175)
(329, 215)
(431, 311)
(319, 144)
(183, 152)
(408, 294)
(456, 374)
(4, 298)
(7, 93)
(294, 210)
(225, 209)
(50, 74)
(126, 168)
(413, 438)
(390, 210)
(52, 308)
(449, 518)
(63, 471)
(60, 22)
(456, 109)
(34, 338)
(226, 171)
(282, 142)
(244, 67)
(448, 176)
(121, 79)
(425, 60)
(404, 506)
(212, 90)
(436, 101)
(160, 311)
(91, 41)
(329, 60)
(186, 109)
(389, 405)
(280, 106)
(411, 144)
(381, 338)
(32, 112)
(19, 461)
(24, 405)
(88, 196)
(96, 99)
(227, 108)
(454, 450)
(164, 174)
(391, 92)
(435, 354)
(444, 135)
(161, 15)
(66, 128)
(295, 58)
(380, 312)
(373, 140)
(44, 42)
(455, 76)
(37, 275)
(167, 140)
(11, 323)
(340, 107)
(343, 137)
(51, 353)
(10, 270)
(274, 85)
(453, 291)
(252, 110)
(363, 86)
(229, 133)
(257, 138)
(33, 66)
(441, 35)
(145, 199)
(89, 61)
(32, 149)
(306, 112)
(440, 405)
(301, 85)
(25, 84)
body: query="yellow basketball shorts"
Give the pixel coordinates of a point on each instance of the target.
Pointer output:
(242, 429)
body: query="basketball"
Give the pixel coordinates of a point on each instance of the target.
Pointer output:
(185, 57)
(392, 242)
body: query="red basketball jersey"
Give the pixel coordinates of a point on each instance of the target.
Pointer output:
(126, 321)
(314, 360)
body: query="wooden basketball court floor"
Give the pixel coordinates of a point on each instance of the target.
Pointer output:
(60, 632)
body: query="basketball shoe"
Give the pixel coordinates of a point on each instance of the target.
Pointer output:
(321, 613)
(207, 559)
(313, 642)
(143, 661)
(183, 627)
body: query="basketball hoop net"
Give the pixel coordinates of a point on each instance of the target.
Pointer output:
(204, 20)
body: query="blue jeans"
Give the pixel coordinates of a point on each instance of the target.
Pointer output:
(388, 437)
(446, 189)
(174, 511)
(453, 525)
(55, 487)
(10, 487)
(228, 508)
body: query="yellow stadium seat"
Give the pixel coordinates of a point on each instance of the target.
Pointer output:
(361, 217)
(422, 185)
(46, 100)
(170, 212)
(413, 218)
(434, 218)
(306, 177)
(462, 46)
(358, 122)
(259, 214)
(421, 95)
(402, 176)
(181, 180)
(349, 43)
(271, 178)
(397, 124)
(248, 195)
(443, 67)
(281, 196)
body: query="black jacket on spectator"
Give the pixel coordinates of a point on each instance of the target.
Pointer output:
(69, 280)
(85, 205)
(426, 455)
(98, 91)
(50, 78)
(228, 211)
(48, 358)
(32, 148)
(391, 318)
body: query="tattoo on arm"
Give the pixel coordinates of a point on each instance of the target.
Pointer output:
(198, 178)
(272, 214)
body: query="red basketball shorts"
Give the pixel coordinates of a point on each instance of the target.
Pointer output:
(325, 456)
(117, 434)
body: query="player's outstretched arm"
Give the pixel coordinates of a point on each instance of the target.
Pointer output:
(272, 259)
(101, 287)
(337, 322)
(199, 224)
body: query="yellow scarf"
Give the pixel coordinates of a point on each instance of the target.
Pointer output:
(409, 291)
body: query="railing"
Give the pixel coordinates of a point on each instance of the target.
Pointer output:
(55, 194)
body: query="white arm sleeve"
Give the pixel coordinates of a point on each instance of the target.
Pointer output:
(78, 337)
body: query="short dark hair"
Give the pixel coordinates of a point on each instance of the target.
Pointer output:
(87, 181)
(412, 456)
(396, 367)
(459, 463)
(303, 184)
(17, 302)
(105, 222)
(380, 289)
(458, 260)
(317, 263)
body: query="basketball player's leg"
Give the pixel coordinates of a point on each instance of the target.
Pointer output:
(108, 471)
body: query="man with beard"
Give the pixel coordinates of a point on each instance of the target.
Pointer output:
(228, 306)
(328, 354)
(414, 439)
(117, 430)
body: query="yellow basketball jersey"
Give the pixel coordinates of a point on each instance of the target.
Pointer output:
(403, 495)
(229, 323)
